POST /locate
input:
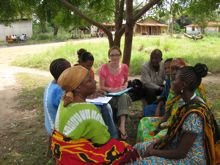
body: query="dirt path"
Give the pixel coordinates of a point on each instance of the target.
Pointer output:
(8, 86)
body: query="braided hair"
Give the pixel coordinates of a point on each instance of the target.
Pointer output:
(192, 76)
(57, 66)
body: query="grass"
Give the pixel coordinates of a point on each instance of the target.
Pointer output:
(203, 51)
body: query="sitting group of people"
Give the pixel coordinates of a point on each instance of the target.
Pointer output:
(178, 127)
(15, 38)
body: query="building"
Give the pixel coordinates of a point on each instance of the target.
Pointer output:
(212, 27)
(150, 26)
(17, 27)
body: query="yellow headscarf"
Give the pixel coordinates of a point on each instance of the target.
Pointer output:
(70, 79)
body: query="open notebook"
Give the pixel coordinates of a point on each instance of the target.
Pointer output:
(118, 93)
(99, 100)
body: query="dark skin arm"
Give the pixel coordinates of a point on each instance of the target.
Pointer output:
(164, 119)
(159, 105)
(180, 152)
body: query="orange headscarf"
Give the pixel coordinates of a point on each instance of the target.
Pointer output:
(70, 79)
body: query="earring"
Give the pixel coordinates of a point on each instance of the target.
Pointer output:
(181, 91)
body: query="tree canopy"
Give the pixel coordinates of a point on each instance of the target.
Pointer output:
(123, 13)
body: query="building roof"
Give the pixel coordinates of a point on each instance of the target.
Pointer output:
(210, 24)
(151, 22)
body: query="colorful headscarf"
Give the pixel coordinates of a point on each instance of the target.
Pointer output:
(70, 79)
(179, 62)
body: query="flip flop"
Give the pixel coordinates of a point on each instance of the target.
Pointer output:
(123, 136)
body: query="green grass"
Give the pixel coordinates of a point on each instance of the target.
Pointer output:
(204, 51)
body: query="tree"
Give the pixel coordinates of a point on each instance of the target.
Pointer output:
(131, 16)
(15, 9)
(203, 11)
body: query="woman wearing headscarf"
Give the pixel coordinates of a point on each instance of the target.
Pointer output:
(193, 134)
(86, 60)
(80, 135)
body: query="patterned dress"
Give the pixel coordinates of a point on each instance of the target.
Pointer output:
(196, 154)
(173, 102)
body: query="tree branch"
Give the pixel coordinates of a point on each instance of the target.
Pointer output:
(80, 14)
(145, 9)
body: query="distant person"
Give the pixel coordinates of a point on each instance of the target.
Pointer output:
(113, 77)
(14, 38)
(22, 37)
(152, 76)
(100, 33)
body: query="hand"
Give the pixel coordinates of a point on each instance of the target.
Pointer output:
(157, 113)
(150, 148)
(100, 92)
(123, 87)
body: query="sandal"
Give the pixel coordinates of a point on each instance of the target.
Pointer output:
(123, 136)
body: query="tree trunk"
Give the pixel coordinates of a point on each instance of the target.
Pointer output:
(128, 44)
(55, 30)
(128, 32)
(119, 28)
(43, 27)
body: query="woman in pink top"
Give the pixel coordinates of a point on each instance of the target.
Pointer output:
(113, 77)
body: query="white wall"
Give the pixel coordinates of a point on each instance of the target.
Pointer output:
(211, 29)
(16, 28)
(189, 30)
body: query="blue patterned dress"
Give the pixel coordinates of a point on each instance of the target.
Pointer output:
(196, 154)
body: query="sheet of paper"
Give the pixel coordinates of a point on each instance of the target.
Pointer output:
(99, 100)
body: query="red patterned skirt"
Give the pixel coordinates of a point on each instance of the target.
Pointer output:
(83, 152)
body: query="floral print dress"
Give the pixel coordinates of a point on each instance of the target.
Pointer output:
(196, 154)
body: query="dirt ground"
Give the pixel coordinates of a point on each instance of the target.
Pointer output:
(14, 121)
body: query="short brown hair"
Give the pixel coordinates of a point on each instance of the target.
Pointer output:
(112, 48)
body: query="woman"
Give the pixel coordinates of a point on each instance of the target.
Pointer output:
(113, 77)
(187, 140)
(86, 60)
(80, 135)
